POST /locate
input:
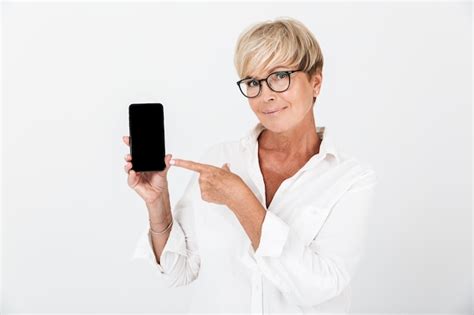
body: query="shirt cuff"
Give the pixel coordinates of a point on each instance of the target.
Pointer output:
(273, 237)
(175, 244)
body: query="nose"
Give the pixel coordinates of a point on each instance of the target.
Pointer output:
(268, 94)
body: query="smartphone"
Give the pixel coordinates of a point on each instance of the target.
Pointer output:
(147, 137)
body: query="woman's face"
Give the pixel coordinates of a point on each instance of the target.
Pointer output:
(292, 105)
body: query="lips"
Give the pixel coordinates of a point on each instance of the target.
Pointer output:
(272, 111)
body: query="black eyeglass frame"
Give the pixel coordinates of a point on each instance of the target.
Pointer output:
(288, 72)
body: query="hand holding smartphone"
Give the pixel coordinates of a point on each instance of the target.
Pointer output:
(147, 165)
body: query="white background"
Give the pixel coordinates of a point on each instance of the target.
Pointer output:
(396, 93)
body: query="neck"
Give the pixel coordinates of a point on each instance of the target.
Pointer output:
(301, 140)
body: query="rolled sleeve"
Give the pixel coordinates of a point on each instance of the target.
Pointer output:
(315, 259)
(175, 245)
(273, 236)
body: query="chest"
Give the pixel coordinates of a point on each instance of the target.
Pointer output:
(272, 183)
(274, 173)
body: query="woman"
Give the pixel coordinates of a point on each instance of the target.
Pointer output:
(275, 222)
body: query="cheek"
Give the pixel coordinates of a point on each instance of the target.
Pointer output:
(300, 96)
(254, 106)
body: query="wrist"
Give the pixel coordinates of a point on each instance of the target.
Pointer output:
(162, 225)
(158, 213)
(241, 199)
(157, 201)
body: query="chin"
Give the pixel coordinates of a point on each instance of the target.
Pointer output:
(275, 126)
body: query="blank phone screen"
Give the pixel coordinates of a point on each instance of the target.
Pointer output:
(147, 137)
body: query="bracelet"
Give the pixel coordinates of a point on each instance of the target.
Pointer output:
(169, 225)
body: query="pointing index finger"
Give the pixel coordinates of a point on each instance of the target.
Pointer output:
(190, 165)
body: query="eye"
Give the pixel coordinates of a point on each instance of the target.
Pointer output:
(252, 83)
(281, 75)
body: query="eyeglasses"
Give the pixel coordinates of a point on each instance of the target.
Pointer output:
(277, 81)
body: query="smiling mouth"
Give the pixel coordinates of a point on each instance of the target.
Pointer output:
(274, 111)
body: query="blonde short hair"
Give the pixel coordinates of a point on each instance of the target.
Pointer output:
(281, 41)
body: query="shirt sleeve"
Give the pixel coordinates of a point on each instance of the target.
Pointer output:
(314, 258)
(179, 261)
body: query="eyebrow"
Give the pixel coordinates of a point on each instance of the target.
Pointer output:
(270, 71)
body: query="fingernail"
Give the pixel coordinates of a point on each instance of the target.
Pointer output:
(172, 162)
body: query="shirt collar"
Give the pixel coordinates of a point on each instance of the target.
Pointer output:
(249, 141)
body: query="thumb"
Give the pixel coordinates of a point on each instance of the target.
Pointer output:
(167, 165)
(167, 160)
(226, 166)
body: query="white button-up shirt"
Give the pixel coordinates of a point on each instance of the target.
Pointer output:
(312, 239)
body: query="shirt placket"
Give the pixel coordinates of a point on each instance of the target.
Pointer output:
(257, 293)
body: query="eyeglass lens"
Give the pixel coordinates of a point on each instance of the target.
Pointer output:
(278, 82)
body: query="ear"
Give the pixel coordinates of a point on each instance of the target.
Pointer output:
(316, 82)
